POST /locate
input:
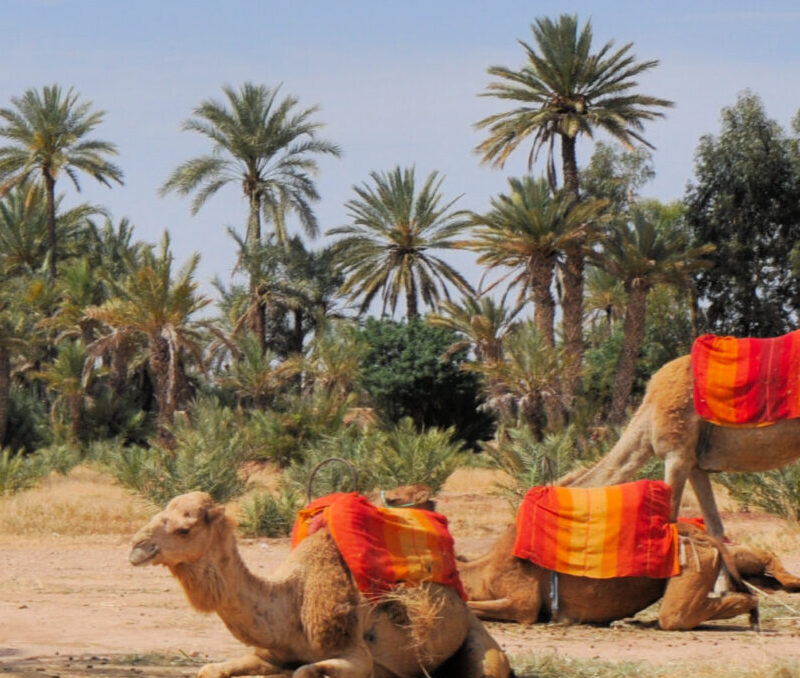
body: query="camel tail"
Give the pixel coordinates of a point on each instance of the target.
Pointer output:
(620, 465)
(728, 563)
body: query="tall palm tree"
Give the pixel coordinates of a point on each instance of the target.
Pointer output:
(387, 247)
(527, 231)
(649, 250)
(156, 308)
(47, 133)
(262, 143)
(565, 90)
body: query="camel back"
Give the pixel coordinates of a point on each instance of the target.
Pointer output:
(746, 382)
(604, 532)
(383, 547)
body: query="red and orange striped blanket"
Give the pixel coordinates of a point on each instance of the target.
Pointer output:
(746, 382)
(383, 547)
(616, 531)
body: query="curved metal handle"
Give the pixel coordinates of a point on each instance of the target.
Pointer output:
(328, 461)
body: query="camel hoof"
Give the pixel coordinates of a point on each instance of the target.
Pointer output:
(211, 671)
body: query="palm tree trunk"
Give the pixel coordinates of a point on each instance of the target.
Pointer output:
(159, 363)
(633, 335)
(259, 321)
(411, 299)
(5, 391)
(75, 417)
(50, 202)
(544, 306)
(572, 301)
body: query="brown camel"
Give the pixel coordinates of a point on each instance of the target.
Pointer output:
(754, 564)
(502, 586)
(310, 620)
(666, 424)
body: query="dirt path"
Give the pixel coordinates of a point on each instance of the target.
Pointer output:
(75, 607)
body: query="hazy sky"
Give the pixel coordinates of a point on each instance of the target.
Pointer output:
(397, 83)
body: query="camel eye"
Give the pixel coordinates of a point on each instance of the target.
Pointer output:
(183, 531)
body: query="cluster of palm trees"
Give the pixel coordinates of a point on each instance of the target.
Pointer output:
(82, 303)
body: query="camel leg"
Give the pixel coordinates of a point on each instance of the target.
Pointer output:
(756, 562)
(479, 657)
(675, 474)
(686, 601)
(248, 665)
(355, 664)
(506, 609)
(701, 483)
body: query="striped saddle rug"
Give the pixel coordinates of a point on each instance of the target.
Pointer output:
(746, 382)
(616, 531)
(383, 547)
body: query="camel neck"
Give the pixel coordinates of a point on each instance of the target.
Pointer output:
(253, 609)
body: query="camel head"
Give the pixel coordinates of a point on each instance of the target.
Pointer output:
(181, 534)
(418, 496)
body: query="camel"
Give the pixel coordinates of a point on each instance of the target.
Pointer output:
(309, 620)
(666, 424)
(503, 587)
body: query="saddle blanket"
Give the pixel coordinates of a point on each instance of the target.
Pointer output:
(746, 382)
(616, 531)
(383, 547)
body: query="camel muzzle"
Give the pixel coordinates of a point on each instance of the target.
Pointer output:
(142, 553)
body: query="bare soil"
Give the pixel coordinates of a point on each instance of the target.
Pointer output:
(72, 606)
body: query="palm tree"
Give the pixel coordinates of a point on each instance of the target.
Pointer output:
(648, 250)
(387, 247)
(153, 307)
(526, 231)
(263, 143)
(47, 133)
(566, 90)
(482, 322)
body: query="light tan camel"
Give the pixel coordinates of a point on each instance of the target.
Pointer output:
(310, 620)
(502, 586)
(667, 425)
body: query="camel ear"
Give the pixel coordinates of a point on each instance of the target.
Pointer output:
(214, 513)
(422, 494)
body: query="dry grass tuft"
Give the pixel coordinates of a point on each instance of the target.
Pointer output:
(86, 501)
(424, 606)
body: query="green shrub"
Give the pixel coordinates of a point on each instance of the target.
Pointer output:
(401, 456)
(17, 471)
(264, 515)
(61, 458)
(776, 491)
(207, 454)
(530, 462)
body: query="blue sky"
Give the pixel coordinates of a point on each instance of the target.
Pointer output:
(396, 83)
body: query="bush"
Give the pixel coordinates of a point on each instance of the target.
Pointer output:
(207, 454)
(264, 515)
(402, 456)
(530, 462)
(61, 458)
(776, 491)
(17, 472)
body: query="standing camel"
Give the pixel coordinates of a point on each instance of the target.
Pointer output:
(666, 424)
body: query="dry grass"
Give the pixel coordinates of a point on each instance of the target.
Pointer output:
(86, 501)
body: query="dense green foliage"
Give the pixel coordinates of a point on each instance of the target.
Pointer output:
(746, 200)
(405, 374)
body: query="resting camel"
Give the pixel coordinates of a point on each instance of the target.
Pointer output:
(502, 586)
(310, 620)
(666, 424)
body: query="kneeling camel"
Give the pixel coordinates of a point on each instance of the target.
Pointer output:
(502, 586)
(310, 620)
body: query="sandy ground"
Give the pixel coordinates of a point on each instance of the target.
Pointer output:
(73, 606)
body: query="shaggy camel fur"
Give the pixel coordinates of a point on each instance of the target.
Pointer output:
(310, 620)
(666, 424)
(502, 586)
